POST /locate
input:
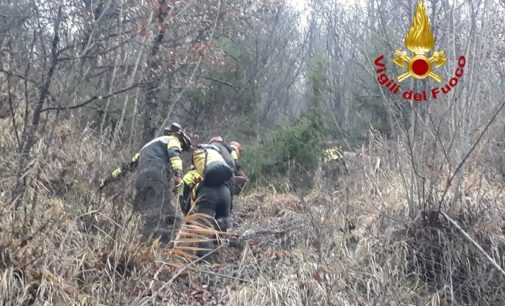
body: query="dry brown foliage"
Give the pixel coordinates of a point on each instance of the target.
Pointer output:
(353, 245)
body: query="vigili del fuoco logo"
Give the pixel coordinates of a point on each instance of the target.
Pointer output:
(420, 65)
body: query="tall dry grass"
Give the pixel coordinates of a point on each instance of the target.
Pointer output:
(352, 244)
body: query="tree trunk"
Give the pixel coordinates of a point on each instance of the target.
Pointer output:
(30, 138)
(153, 75)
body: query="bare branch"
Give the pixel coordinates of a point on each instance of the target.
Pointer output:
(92, 99)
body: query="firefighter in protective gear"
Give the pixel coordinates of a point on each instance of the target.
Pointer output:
(207, 179)
(332, 154)
(239, 179)
(227, 153)
(210, 165)
(205, 189)
(334, 164)
(156, 163)
(235, 153)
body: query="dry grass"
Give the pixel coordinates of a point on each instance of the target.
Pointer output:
(66, 245)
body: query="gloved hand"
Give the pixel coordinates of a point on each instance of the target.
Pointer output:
(101, 185)
(104, 182)
(177, 183)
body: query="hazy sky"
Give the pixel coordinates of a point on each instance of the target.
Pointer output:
(299, 4)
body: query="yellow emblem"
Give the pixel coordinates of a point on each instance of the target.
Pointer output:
(419, 41)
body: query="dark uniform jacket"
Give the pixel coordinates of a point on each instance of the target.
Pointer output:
(156, 153)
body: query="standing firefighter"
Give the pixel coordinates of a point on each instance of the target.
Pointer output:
(153, 195)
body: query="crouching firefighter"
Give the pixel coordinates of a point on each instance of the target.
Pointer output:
(205, 189)
(227, 153)
(156, 163)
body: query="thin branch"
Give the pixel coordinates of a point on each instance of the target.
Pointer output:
(92, 99)
(491, 260)
(219, 82)
(194, 70)
(22, 77)
(13, 118)
(449, 182)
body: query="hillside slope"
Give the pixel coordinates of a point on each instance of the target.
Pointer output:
(342, 244)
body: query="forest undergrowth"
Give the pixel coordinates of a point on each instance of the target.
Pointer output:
(347, 242)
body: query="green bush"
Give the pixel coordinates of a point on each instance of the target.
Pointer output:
(290, 153)
(97, 113)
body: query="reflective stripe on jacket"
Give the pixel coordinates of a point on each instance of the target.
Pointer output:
(158, 151)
